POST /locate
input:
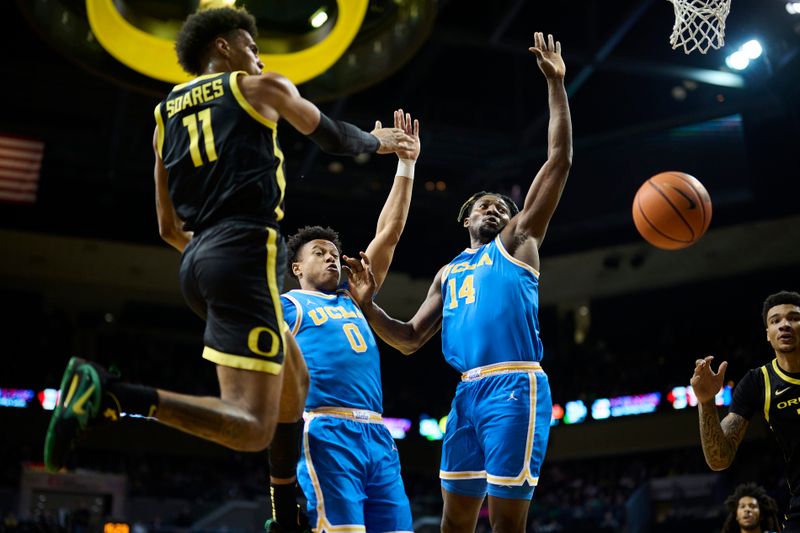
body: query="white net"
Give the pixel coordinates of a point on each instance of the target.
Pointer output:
(699, 24)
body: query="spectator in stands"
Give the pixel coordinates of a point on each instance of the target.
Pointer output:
(751, 510)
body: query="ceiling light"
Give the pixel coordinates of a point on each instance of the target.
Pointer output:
(752, 49)
(793, 8)
(737, 60)
(319, 18)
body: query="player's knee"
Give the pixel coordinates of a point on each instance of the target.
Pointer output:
(260, 436)
(507, 523)
(456, 522)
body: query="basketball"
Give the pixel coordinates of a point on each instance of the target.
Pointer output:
(672, 210)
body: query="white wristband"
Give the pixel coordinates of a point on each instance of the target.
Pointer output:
(405, 168)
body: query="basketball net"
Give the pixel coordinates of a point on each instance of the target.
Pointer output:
(699, 24)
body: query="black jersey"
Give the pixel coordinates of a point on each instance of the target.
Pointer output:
(775, 394)
(222, 156)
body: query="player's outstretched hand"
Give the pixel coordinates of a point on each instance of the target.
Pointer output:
(360, 278)
(393, 140)
(548, 56)
(705, 382)
(403, 121)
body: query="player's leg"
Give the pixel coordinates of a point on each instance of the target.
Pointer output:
(462, 471)
(284, 452)
(514, 428)
(387, 507)
(332, 474)
(230, 278)
(234, 274)
(460, 513)
(508, 515)
(243, 418)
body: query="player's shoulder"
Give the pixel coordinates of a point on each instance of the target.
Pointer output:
(271, 82)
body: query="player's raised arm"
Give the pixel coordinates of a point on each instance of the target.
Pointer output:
(545, 191)
(274, 96)
(170, 226)
(720, 440)
(393, 216)
(407, 337)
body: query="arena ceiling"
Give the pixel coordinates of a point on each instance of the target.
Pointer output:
(463, 69)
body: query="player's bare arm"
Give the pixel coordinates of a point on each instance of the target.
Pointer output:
(170, 226)
(392, 219)
(407, 337)
(275, 97)
(525, 232)
(719, 440)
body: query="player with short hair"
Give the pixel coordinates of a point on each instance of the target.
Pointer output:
(349, 469)
(772, 390)
(486, 303)
(220, 188)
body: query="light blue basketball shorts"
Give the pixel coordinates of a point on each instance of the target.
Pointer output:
(497, 431)
(350, 473)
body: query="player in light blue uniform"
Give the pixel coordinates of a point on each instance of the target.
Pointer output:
(349, 469)
(486, 302)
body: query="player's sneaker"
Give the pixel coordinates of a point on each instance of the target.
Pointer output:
(271, 526)
(79, 404)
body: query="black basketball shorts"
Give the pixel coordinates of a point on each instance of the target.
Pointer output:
(231, 275)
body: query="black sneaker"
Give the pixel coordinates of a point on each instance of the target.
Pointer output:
(271, 526)
(78, 407)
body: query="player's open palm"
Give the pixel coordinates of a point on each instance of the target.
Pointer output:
(360, 278)
(548, 56)
(392, 139)
(705, 382)
(403, 121)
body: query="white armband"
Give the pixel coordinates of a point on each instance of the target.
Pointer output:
(405, 168)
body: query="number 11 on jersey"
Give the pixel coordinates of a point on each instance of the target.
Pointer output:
(190, 121)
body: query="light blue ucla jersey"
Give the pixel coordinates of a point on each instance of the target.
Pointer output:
(490, 310)
(339, 349)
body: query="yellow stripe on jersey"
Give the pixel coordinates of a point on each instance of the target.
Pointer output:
(782, 374)
(159, 131)
(247, 106)
(767, 392)
(279, 175)
(513, 259)
(250, 110)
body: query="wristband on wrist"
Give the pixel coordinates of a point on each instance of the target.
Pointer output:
(405, 168)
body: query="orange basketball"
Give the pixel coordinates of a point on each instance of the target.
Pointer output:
(672, 210)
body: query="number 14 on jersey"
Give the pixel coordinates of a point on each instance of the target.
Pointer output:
(466, 292)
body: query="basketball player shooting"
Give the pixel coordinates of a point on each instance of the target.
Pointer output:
(486, 303)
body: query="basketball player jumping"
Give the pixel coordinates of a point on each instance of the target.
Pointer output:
(219, 192)
(486, 302)
(349, 469)
(773, 389)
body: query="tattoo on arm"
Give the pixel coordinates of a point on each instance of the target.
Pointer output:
(720, 440)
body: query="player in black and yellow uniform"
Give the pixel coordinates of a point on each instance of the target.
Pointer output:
(772, 390)
(220, 188)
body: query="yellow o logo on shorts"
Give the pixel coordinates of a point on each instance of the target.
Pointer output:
(255, 334)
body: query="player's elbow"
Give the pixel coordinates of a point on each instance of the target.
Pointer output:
(561, 159)
(408, 350)
(411, 345)
(718, 466)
